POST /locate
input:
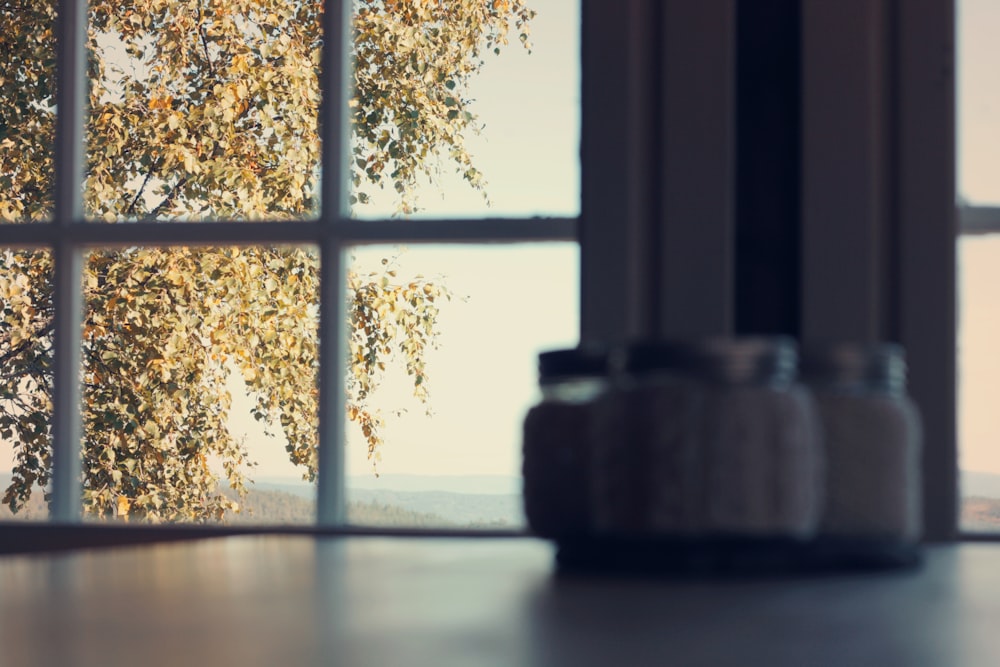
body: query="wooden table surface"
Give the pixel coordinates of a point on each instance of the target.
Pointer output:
(299, 600)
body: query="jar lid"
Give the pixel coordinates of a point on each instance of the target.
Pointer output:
(880, 366)
(577, 362)
(736, 360)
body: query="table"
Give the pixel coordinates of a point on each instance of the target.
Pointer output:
(306, 600)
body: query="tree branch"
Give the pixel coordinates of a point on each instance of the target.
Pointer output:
(169, 199)
(20, 349)
(204, 45)
(131, 207)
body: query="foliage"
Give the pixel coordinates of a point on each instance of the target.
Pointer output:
(413, 62)
(205, 109)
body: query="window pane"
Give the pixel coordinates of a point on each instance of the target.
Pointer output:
(203, 110)
(978, 101)
(449, 128)
(25, 382)
(27, 110)
(979, 375)
(446, 449)
(200, 377)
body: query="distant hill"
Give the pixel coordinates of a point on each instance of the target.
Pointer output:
(279, 507)
(980, 514)
(461, 509)
(472, 484)
(292, 502)
(413, 501)
(983, 484)
(482, 501)
(35, 510)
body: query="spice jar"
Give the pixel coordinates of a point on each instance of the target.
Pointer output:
(872, 440)
(556, 442)
(707, 438)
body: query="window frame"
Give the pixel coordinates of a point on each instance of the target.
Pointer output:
(624, 290)
(924, 196)
(68, 235)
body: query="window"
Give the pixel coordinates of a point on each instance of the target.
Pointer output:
(656, 214)
(206, 240)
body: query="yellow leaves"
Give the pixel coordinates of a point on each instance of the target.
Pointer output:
(17, 336)
(162, 102)
(190, 162)
(239, 64)
(430, 51)
(123, 507)
(175, 276)
(161, 368)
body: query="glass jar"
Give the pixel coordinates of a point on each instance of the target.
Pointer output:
(557, 440)
(872, 440)
(707, 438)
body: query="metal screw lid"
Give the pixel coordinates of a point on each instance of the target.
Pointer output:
(735, 360)
(578, 362)
(877, 366)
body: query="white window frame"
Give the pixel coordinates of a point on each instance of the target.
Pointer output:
(68, 236)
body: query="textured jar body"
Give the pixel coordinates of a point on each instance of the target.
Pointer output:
(872, 439)
(556, 459)
(764, 463)
(646, 455)
(873, 442)
(676, 455)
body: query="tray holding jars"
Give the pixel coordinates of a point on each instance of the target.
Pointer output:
(733, 555)
(722, 455)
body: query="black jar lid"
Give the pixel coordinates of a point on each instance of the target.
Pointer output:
(736, 360)
(577, 362)
(879, 366)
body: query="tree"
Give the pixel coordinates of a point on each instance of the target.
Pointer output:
(208, 109)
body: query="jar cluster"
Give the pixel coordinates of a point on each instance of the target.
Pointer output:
(728, 437)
